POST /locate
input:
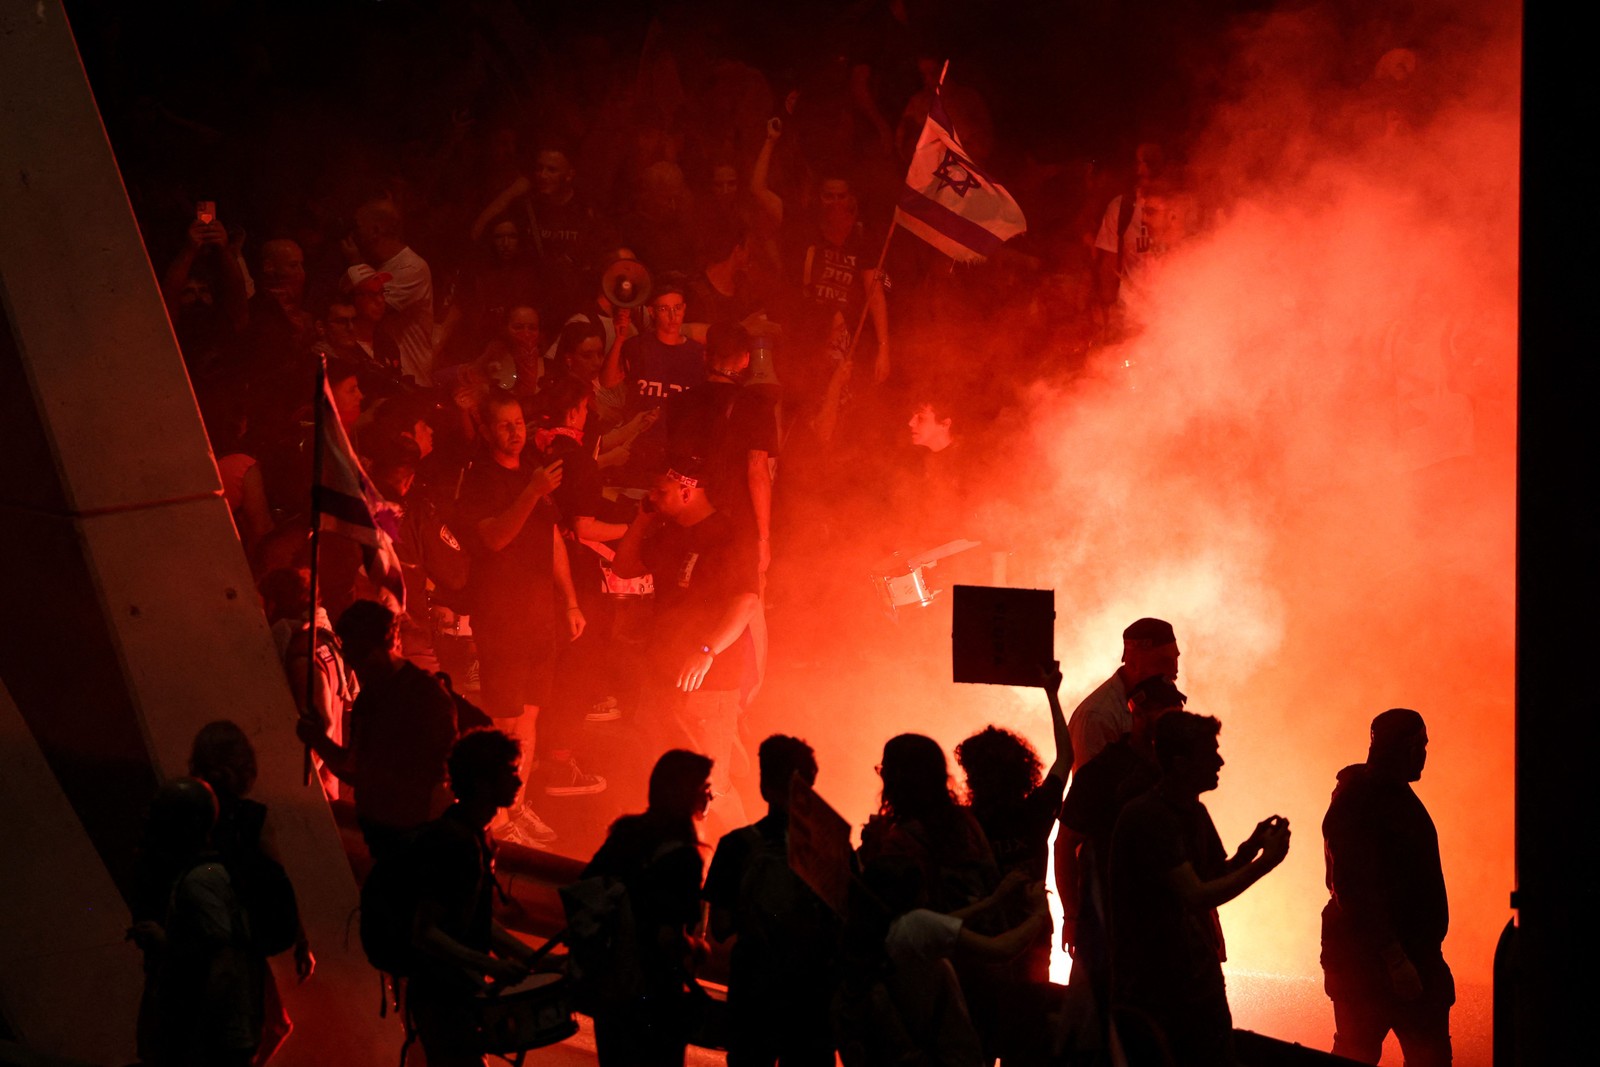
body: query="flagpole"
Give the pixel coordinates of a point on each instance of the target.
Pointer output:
(883, 255)
(311, 613)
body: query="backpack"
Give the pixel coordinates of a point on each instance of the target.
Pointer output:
(267, 897)
(781, 920)
(261, 885)
(602, 938)
(389, 903)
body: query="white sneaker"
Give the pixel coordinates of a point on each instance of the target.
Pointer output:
(527, 829)
(567, 780)
(604, 711)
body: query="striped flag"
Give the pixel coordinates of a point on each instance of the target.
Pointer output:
(949, 202)
(344, 501)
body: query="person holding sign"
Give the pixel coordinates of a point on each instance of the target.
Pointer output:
(780, 977)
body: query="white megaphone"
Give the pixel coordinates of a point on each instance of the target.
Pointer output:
(626, 283)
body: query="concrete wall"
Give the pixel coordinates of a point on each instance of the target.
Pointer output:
(128, 619)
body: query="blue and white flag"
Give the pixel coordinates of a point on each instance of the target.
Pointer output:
(344, 500)
(949, 202)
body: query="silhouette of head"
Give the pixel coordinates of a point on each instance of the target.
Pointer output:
(181, 817)
(224, 759)
(485, 760)
(1186, 749)
(1399, 744)
(365, 629)
(1148, 702)
(999, 766)
(1149, 647)
(916, 778)
(781, 758)
(680, 784)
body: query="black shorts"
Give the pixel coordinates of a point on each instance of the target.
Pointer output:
(514, 665)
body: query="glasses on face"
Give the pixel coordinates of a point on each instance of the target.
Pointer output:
(673, 310)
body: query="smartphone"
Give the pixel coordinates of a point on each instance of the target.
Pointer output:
(206, 211)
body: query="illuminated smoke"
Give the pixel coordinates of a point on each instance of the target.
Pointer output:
(1304, 460)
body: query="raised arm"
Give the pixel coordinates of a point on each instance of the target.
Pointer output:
(1058, 723)
(517, 189)
(771, 203)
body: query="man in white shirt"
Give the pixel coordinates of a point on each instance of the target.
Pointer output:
(1149, 648)
(375, 247)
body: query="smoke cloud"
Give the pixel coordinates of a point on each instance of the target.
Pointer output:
(1303, 457)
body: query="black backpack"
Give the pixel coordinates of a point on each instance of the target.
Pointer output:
(267, 897)
(389, 903)
(259, 882)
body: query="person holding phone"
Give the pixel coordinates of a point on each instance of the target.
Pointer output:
(522, 596)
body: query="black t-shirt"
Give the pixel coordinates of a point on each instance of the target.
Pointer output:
(401, 730)
(655, 371)
(513, 585)
(698, 571)
(721, 423)
(1100, 790)
(1164, 951)
(786, 935)
(1019, 834)
(661, 870)
(453, 862)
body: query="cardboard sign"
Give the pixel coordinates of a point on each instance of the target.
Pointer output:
(819, 845)
(1002, 636)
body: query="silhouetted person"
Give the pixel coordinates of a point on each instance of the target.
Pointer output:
(1169, 874)
(1149, 647)
(1383, 927)
(900, 1000)
(203, 983)
(656, 855)
(459, 946)
(224, 759)
(919, 819)
(401, 730)
(1017, 807)
(780, 978)
(1123, 770)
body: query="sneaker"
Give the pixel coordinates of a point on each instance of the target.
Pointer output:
(604, 711)
(566, 780)
(527, 829)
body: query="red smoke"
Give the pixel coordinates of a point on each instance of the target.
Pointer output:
(1305, 461)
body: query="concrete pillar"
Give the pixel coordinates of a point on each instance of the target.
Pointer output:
(129, 619)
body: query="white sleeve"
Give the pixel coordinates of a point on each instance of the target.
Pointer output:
(923, 935)
(410, 280)
(1106, 240)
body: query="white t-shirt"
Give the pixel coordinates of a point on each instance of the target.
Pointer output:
(921, 935)
(1100, 719)
(409, 294)
(1138, 249)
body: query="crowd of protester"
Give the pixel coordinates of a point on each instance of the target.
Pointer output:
(607, 316)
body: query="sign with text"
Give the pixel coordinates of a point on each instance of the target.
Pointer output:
(1002, 636)
(819, 845)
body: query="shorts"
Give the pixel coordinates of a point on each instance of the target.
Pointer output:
(514, 666)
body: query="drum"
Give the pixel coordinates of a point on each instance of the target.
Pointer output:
(904, 590)
(531, 1014)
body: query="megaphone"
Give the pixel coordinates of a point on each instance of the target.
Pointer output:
(625, 283)
(762, 373)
